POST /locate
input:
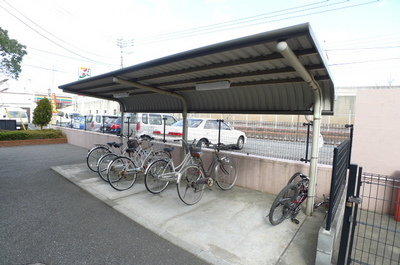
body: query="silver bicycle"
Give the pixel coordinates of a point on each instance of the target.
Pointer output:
(122, 170)
(161, 172)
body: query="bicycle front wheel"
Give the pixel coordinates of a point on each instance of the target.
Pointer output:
(94, 155)
(226, 173)
(153, 179)
(191, 185)
(122, 173)
(103, 163)
(283, 204)
(297, 178)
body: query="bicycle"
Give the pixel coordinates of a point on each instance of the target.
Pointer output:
(161, 172)
(122, 170)
(288, 202)
(107, 158)
(99, 150)
(221, 170)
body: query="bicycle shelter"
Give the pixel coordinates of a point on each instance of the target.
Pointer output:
(277, 72)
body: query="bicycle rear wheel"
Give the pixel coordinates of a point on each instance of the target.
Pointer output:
(122, 173)
(153, 177)
(226, 173)
(283, 204)
(190, 190)
(103, 163)
(93, 156)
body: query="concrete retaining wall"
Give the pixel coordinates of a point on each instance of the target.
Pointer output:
(255, 172)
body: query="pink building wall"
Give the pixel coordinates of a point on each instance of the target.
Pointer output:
(376, 145)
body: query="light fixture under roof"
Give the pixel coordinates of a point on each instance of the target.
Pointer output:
(224, 84)
(121, 95)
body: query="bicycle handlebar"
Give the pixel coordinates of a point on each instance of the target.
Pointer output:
(221, 146)
(187, 146)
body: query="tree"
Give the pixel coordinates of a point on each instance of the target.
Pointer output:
(11, 55)
(42, 113)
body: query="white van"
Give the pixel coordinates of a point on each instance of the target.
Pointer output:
(17, 114)
(146, 123)
(64, 117)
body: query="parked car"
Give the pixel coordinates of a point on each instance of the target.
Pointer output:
(110, 124)
(18, 114)
(79, 123)
(205, 131)
(64, 118)
(95, 121)
(146, 123)
(115, 128)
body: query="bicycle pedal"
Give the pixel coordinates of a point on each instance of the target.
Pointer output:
(294, 220)
(210, 183)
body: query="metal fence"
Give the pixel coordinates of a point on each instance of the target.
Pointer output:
(377, 229)
(341, 161)
(285, 140)
(288, 140)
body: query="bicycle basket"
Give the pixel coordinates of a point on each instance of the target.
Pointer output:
(133, 143)
(145, 144)
(194, 149)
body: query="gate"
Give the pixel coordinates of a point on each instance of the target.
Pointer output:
(371, 225)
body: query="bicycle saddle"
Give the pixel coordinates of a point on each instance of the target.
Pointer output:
(169, 149)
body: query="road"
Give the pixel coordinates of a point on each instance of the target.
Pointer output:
(285, 150)
(45, 219)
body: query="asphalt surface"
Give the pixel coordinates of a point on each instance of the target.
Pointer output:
(46, 219)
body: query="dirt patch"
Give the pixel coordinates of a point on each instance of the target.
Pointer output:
(33, 142)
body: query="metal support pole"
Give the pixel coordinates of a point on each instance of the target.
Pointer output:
(285, 50)
(157, 90)
(164, 130)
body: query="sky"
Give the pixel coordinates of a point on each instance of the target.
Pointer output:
(360, 38)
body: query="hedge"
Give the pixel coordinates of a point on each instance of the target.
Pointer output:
(30, 134)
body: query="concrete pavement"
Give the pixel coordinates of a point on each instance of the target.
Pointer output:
(225, 227)
(46, 219)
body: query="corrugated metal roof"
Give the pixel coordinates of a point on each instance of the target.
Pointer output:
(262, 81)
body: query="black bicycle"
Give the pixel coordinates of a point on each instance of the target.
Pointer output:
(288, 202)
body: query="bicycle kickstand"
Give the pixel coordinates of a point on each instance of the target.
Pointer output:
(294, 220)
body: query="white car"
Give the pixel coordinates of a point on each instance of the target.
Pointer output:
(205, 131)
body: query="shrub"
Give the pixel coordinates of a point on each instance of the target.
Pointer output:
(30, 134)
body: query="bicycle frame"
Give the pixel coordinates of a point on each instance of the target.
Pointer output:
(303, 194)
(176, 171)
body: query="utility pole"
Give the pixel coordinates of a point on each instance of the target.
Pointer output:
(122, 44)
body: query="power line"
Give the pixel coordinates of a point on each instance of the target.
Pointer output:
(367, 61)
(239, 23)
(222, 24)
(363, 48)
(59, 45)
(68, 57)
